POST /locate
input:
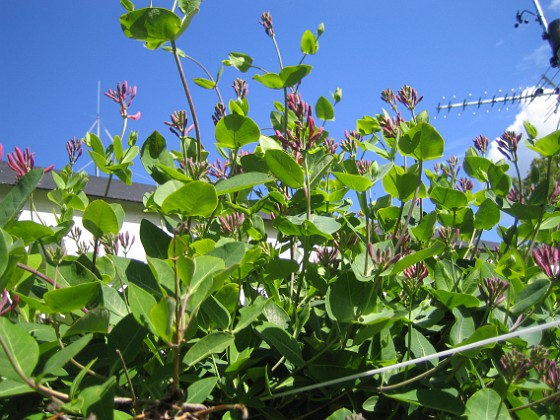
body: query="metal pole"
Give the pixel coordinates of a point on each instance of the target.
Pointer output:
(540, 16)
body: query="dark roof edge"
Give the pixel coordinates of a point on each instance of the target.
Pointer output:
(94, 189)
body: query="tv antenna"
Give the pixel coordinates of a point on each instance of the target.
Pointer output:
(546, 87)
(97, 125)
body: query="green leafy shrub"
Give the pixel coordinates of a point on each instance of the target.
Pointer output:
(276, 286)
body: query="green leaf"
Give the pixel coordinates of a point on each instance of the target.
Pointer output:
(279, 339)
(63, 356)
(400, 184)
(100, 218)
(500, 181)
(72, 298)
(216, 313)
(153, 153)
(482, 333)
(12, 203)
(154, 25)
(346, 298)
(242, 182)
(250, 313)
(309, 43)
(425, 229)
(436, 248)
(285, 168)
(487, 215)
(98, 399)
(463, 327)
(127, 337)
(288, 76)
(367, 125)
(477, 167)
(199, 391)
(234, 131)
(453, 299)
(212, 343)
(141, 302)
(29, 231)
(436, 399)
(324, 109)
(299, 225)
(162, 316)
(127, 4)
(292, 75)
(240, 61)
(95, 321)
(420, 346)
(530, 295)
(204, 83)
(547, 146)
(448, 198)
(197, 198)
(10, 388)
(22, 348)
(423, 142)
(154, 240)
(357, 183)
(486, 404)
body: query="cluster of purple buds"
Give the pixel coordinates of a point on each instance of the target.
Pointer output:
(388, 96)
(302, 138)
(196, 170)
(178, 124)
(219, 113)
(492, 290)
(328, 258)
(74, 149)
(219, 169)
(382, 258)
(417, 271)
(350, 142)
(330, 145)
(123, 96)
(298, 105)
(126, 241)
(391, 126)
(23, 162)
(515, 366)
(465, 185)
(230, 223)
(450, 235)
(266, 22)
(507, 145)
(8, 303)
(408, 96)
(547, 257)
(555, 193)
(514, 196)
(363, 166)
(481, 144)
(241, 88)
(110, 244)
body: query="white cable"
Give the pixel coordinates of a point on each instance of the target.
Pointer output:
(444, 353)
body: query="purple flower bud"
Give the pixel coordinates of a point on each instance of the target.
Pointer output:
(481, 144)
(515, 366)
(266, 22)
(241, 88)
(492, 290)
(507, 145)
(408, 96)
(548, 259)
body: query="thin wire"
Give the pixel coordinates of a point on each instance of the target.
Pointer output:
(441, 354)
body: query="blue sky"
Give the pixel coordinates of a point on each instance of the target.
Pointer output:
(55, 52)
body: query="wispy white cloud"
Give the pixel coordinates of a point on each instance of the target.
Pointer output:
(555, 5)
(540, 113)
(539, 58)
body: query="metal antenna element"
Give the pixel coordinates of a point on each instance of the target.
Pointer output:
(498, 99)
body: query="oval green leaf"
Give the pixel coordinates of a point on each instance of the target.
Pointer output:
(100, 218)
(235, 130)
(284, 167)
(197, 198)
(423, 142)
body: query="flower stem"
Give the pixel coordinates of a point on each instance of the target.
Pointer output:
(189, 100)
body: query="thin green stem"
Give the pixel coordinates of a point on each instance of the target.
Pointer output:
(189, 100)
(412, 204)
